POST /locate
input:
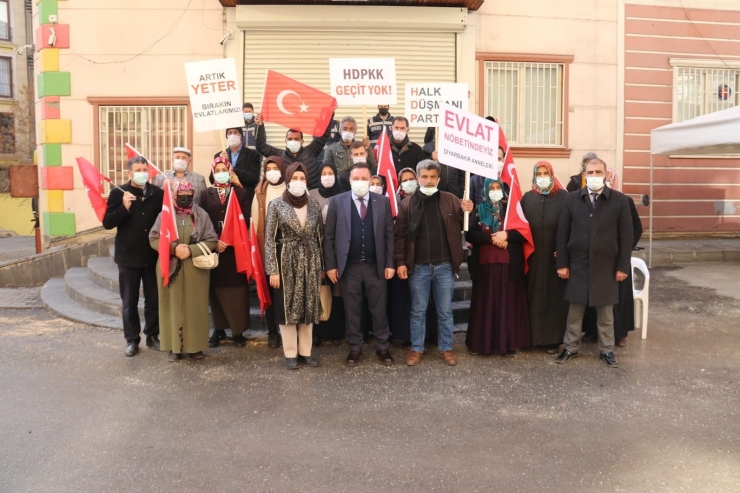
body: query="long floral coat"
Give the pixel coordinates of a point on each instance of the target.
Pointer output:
(295, 253)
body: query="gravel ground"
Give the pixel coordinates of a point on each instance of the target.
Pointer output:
(78, 416)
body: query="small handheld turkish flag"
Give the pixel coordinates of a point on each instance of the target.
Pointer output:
(91, 178)
(167, 233)
(292, 104)
(131, 152)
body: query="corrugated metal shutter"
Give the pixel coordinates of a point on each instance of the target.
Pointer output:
(420, 57)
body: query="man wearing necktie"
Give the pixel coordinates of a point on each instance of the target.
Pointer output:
(358, 253)
(594, 245)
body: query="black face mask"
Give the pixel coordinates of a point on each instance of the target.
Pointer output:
(383, 111)
(185, 201)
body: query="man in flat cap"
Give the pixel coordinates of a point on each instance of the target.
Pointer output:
(181, 158)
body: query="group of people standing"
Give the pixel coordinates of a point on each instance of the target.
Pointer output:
(325, 225)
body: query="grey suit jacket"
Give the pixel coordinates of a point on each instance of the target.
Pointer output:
(338, 232)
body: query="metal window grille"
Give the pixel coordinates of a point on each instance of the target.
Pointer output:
(4, 20)
(7, 133)
(527, 101)
(704, 90)
(6, 77)
(153, 130)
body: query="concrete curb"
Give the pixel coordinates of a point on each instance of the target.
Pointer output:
(679, 257)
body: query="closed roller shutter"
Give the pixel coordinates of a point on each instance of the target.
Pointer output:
(420, 57)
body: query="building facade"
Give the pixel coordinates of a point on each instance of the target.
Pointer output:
(555, 78)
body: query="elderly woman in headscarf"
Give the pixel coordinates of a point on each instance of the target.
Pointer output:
(269, 189)
(294, 263)
(548, 310)
(624, 311)
(399, 293)
(499, 322)
(334, 328)
(183, 313)
(229, 291)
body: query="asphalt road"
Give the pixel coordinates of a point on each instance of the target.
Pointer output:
(78, 416)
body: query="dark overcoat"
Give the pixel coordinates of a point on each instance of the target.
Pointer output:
(594, 245)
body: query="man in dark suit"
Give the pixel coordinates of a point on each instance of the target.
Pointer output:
(594, 245)
(132, 209)
(245, 162)
(358, 253)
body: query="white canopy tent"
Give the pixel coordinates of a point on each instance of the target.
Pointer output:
(713, 133)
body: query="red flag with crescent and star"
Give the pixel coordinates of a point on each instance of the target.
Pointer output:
(167, 232)
(292, 104)
(387, 169)
(132, 152)
(514, 213)
(92, 179)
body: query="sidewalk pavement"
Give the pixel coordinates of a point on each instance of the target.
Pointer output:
(675, 251)
(16, 247)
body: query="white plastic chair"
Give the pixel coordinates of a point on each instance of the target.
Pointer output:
(643, 295)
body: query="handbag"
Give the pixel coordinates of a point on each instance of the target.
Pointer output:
(207, 261)
(325, 297)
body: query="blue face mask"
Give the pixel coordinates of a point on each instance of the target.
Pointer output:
(248, 116)
(140, 178)
(222, 177)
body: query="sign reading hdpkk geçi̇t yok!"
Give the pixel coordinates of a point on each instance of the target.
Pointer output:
(424, 99)
(363, 81)
(467, 141)
(215, 97)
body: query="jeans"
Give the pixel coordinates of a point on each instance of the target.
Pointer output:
(439, 279)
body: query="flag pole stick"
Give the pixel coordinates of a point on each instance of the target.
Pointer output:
(364, 120)
(466, 196)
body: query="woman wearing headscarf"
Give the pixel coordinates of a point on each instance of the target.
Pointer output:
(548, 310)
(269, 189)
(334, 328)
(624, 311)
(399, 293)
(229, 291)
(294, 263)
(499, 322)
(183, 313)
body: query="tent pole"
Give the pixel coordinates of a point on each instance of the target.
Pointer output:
(650, 247)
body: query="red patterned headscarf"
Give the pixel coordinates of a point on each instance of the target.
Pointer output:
(183, 186)
(554, 182)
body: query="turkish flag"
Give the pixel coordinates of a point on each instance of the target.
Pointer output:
(235, 235)
(258, 271)
(131, 152)
(167, 233)
(387, 169)
(94, 186)
(514, 213)
(292, 104)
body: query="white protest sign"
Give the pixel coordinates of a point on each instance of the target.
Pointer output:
(363, 81)
(468, 142)
(215, 98)
(424, 99)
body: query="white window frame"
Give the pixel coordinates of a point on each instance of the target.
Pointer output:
(522, 102)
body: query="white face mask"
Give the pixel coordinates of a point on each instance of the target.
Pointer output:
(348, 136)
(360, 187)
(180, 165)
(410, 186)
(234, 140)
(376, 189)
(297, 188)
(429, 191)
(328, 181)
(248, 117)
(595, 183)
(293, 146)
(399, 135)
(222, 177)
(543, 182)
(140, 178)
(495, 195)
(273, 176)
(359, 159)
(500, 168)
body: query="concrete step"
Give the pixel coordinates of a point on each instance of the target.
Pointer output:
(104, 273)
(461, 312)
(85, 292)
(463, 291)
(54, 295)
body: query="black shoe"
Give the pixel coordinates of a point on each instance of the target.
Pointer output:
(152, 342)
(132, 349)
(610, 360)
(172, 357)
(308, 360)
(291, 363)
(354, 358)
(239, 340)
(274, 340)
(216, 338)
(316, 341)
(384, 356)
(197, 356)
(565, 356)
